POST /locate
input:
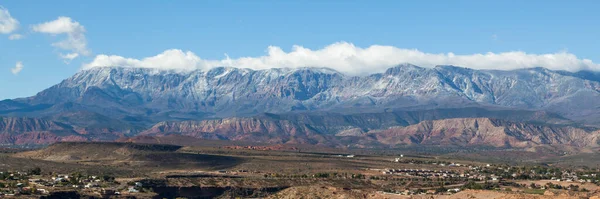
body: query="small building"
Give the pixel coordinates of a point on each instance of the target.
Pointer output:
(107, 193)
(60, 179)
(35, 180)
(132, 190)
(91, 185)
(454, 190)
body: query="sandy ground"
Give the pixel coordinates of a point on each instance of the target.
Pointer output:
(314, 192)
(589, 186)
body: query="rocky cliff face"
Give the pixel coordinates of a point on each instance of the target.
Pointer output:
(317, 128)
(486, 132)
(34, 131)
(246, 129)
(455, 132)
(29, 124)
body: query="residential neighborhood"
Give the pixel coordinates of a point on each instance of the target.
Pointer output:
(33, 182)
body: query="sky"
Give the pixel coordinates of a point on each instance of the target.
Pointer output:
(44, 42)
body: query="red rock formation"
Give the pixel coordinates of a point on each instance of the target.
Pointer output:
(27, 131)
(457, 132)
(246, 129)
(485, 131)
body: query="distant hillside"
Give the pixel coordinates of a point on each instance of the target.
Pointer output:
(127, 154)
(35, 131)
(82, 151)
(296, 128)
(308, 106)
(175, 139)
(142, 97)
(486, 132)
(446, 132)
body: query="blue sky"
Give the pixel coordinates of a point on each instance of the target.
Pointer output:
(211, 29)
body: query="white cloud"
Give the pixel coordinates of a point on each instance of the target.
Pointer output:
(17, 69)
(69, 56)
(8, 24)
(15, 37)
(350, 59)
(75, 41)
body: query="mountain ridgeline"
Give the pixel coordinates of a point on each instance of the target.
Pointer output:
(315, 106)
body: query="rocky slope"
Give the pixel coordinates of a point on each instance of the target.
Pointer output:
(307, 128)
(246, 129)
(147, 96)
(34, 131)
(456, 132)
(486, 132)
(304, 105)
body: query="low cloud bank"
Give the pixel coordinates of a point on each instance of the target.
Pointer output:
(350, 59)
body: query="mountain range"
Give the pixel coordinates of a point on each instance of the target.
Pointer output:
(525, 107)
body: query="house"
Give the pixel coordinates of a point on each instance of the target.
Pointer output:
(60, 179)
(132, 190)
(107, 192)
(454, 190)
(35, 181)
(63, 176)
(350, 156)
(91, 185)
